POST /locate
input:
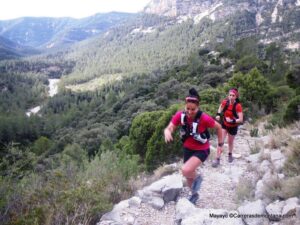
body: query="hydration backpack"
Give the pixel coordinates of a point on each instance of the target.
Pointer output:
(187, 131)
(233, 108)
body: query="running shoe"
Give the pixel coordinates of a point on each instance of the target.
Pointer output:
(193, 198)
(215, 163)
(230, 158)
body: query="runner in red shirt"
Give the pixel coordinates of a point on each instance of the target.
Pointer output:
(232, 118)
(195, 137)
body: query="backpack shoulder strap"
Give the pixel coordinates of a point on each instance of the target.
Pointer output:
(198, 116)
(196, 121)
(226, 106)
(234, 109)
(183, 118)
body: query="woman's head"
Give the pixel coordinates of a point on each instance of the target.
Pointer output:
(233, 93)
(192, 103)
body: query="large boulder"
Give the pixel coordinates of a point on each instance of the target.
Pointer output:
(252, 212)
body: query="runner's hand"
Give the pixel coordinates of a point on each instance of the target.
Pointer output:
(168, 136)
(228, 120)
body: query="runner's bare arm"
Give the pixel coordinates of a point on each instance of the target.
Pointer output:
(241, 117)
(220, 109)
(219, 133)
(168, 132)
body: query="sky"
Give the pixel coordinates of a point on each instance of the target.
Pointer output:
(10, 9)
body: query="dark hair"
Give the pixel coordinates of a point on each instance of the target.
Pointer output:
(194, 93)
(193, 96)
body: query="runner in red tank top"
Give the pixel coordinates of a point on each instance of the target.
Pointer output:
(195, 137)
(232, 118)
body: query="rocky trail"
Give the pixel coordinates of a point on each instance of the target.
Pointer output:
(165, 201)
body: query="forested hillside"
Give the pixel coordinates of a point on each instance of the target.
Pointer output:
(11, 50)
(79, 155)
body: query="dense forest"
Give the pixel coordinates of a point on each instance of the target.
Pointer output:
(78, 156)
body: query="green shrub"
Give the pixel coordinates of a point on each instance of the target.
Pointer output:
(157, 150)
(77, 191)
(41, 145)
(141, 130)
(211, 96)
(249, 62)
(293, 77)
(276, 98)
(124, 145)
(292, 112)
(17, 162)
(253, 87)
(114, 171)
(277, 118)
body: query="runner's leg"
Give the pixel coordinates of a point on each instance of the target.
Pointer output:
(189, 169)
(230, 142)
(224, 133)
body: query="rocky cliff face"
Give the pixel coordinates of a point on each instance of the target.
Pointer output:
(175, 8)
(273, 11)
(272, 20)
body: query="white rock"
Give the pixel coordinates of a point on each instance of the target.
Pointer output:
(184, 208)
(290, 206)
(264, 166)
(259, 190)
(274, 210)
(157, 203)
(174, 181)
(254, 158)
(135, 201)
(256, 207)
(276, 155)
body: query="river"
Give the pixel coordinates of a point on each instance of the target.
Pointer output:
(53, 89)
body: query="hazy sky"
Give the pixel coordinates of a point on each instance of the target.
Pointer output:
(10, 9)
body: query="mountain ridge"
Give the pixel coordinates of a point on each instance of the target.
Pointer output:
(271, 21)
(47, 32)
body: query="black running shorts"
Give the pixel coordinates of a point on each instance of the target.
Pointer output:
(230, 130)
(200, 154)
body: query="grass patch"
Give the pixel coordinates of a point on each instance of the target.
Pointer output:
(256, 147)
(97, 82)
(244, 190)
(292, 164)
(272, 189)
(279, 137)
(254, 132)
(290, 187)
